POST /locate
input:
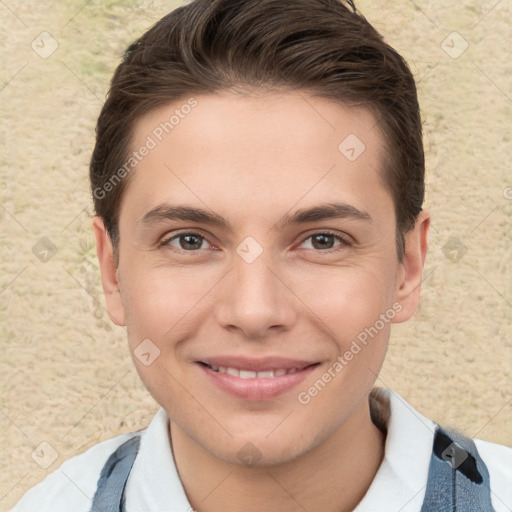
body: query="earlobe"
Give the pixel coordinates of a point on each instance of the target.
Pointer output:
(109, 272)
(411, 268)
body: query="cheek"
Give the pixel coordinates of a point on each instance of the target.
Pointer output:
(348, 300)
(356, 313)
(158, 309)
(160, 301)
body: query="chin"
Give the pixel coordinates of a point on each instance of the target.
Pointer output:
(263, 450)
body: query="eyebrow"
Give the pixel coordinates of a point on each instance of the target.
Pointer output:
(188, 213)
(324, 212)
(165, 212)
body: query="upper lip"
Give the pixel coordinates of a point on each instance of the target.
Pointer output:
(257, 364)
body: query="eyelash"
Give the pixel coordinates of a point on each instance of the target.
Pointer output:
(344, 241)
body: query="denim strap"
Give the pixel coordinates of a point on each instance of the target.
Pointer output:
(109, 495)
(458, 479)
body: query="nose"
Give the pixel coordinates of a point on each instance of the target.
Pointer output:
(255, 300)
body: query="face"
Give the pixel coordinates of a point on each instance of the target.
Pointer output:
(258, 275)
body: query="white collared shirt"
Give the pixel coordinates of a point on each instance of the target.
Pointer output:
(154, 485)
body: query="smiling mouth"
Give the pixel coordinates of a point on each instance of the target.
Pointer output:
(256, 379)
(251, 374)
(260, 373)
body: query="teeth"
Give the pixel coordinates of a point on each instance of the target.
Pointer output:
(245, 374)
(232, 371)
(249, 374)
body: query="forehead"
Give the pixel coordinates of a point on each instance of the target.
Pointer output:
(261, 149)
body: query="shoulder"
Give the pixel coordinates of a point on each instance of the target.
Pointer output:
(497, 456)
(71, 487)
(498, 459)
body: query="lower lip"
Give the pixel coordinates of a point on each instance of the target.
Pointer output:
(256, 388)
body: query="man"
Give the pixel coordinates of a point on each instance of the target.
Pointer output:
(258, 179)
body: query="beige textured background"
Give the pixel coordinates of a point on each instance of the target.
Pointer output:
(66, 375)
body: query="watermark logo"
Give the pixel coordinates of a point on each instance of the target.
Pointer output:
(146, 352)
(44, 455)
(351, 147)
(454, 45)
(454, 455)
(454, 249)
(249, 454)
(44, 250)
(44, 45)
(249, 249)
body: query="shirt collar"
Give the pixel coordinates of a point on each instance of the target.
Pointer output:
(154, 483)
(401, 479)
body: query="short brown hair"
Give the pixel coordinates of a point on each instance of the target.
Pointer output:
(323, 47)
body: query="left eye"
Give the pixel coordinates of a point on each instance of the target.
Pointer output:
(186, 241)
(323, 241)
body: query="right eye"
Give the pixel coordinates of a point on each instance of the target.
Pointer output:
(187, 241)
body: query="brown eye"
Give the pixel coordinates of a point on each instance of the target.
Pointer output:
(322, 241)
(186, 241)
(325, 241)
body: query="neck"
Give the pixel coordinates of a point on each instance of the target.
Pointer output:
(332, 477)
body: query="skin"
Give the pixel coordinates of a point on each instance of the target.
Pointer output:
(253, 159)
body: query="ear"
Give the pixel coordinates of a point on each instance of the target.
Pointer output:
(411, 268)
(108, 269)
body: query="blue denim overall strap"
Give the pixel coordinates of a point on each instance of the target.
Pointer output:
(458, 479)
(109, 495)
